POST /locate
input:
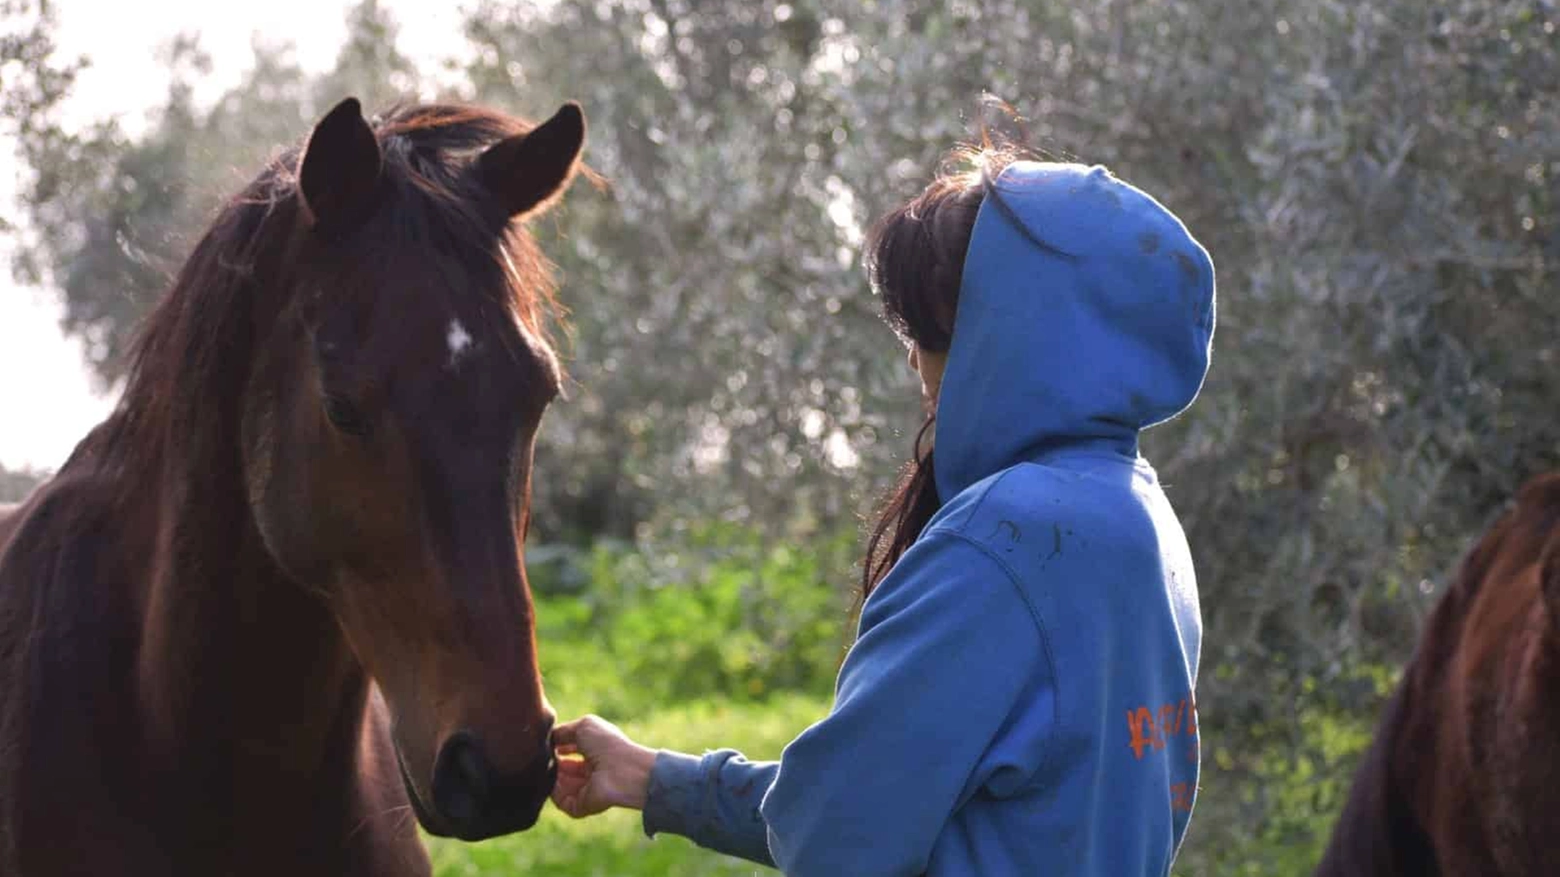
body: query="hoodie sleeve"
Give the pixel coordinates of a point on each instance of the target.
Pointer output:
(711, 800)
(948, 648)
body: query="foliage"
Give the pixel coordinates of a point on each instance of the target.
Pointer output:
(724, 616)
(1377, 182)
(14, 486)
(33, 80)
(726, 240)
(110, 217)
(1271, 788)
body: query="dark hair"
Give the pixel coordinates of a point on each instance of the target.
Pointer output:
(915, 263)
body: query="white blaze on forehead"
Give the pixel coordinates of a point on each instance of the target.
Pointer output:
(459, 340)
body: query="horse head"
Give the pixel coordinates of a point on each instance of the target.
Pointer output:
(388, 427)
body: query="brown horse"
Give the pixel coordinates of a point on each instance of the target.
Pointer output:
(1464, 775)
(275, 604)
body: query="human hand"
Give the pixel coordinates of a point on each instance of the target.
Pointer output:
(612, 771)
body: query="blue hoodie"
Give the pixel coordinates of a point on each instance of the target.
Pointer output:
(1019, 699)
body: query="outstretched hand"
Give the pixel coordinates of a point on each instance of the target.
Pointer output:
(611, 770)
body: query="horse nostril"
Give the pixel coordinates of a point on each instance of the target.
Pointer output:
(460, 779)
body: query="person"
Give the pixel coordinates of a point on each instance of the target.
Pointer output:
(1019, 696)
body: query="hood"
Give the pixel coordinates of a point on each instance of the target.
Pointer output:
(1085, 316)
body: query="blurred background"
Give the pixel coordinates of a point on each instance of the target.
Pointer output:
(1377, 180)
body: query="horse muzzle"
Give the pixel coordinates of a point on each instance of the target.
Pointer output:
(472, 800)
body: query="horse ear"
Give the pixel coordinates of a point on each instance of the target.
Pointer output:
(339, 171)
(528, 170)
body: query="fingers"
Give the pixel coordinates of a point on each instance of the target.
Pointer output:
(585, 735)
(567, 803)
(575, 799)
(599, 767)
(569, 789)
(568, 734)
(573, 779)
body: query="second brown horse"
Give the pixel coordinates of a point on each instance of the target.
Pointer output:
(1463, 777)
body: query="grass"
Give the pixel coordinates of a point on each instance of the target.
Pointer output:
(613, 844)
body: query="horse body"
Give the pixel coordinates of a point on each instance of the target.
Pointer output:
(271, 614)
(1463, 776)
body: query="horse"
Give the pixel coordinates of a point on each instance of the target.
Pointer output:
(274, 606)
(1463, 775)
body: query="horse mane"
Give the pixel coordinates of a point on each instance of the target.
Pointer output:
(1524, 535)
(188, 364)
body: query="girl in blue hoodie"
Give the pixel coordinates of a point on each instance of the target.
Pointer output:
(1019, 697)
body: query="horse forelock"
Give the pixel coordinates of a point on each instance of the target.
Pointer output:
(429, 151)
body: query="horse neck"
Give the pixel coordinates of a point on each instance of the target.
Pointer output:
(246, 681)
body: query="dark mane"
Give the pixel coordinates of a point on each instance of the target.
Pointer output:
(1517, 539)
(186, 365)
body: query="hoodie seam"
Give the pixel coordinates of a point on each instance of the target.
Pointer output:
(959, 531)
(1045, 640)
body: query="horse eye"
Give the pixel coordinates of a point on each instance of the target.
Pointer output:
(345, 416)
